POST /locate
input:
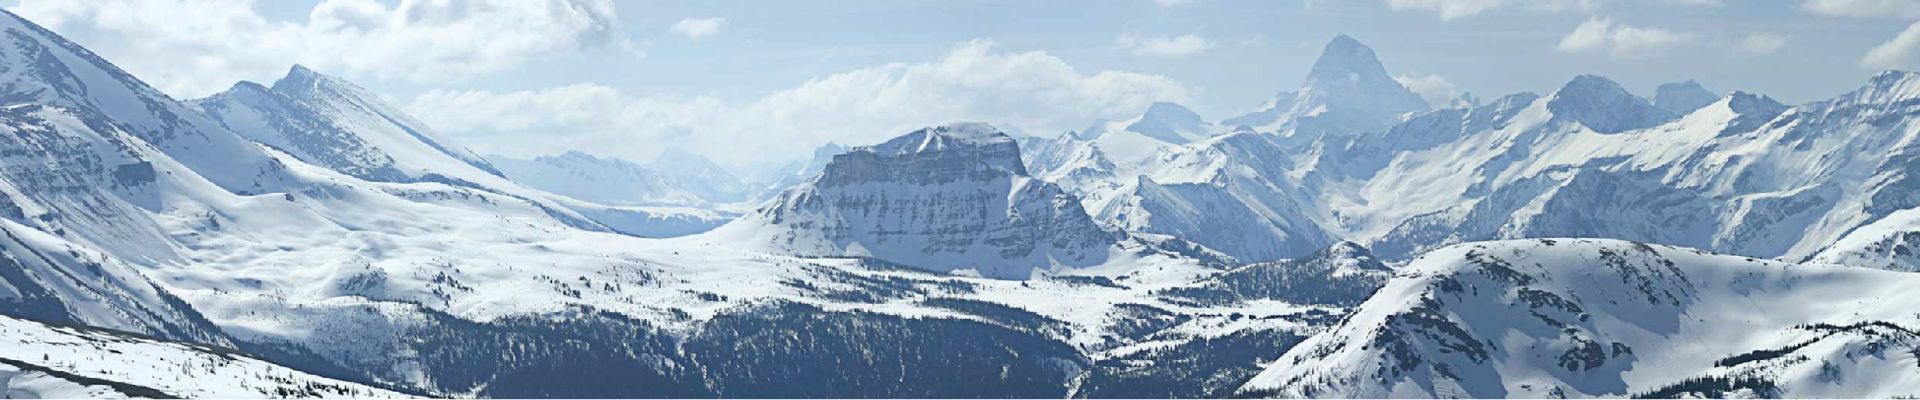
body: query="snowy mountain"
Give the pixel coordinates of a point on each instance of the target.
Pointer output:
(1590, 318)
(52, 361)
(480, 288)
(1163, 121)
(701, 176)
(1340, 243)
(813, 167)
(1682, 98)
(609, 181)
(46, 69)
(330, 122)
(1231, 194)
(327, 121)
(1347, 91)
(953, 197)
(675, 178)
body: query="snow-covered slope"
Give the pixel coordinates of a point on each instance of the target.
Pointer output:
(953, 197)
(43, 68)
(330, 122)
(1231, 193)
(421, 151)
(1579, 318)
(48, 361)
(274, 119)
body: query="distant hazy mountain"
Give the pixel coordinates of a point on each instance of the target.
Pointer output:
(1347, 91)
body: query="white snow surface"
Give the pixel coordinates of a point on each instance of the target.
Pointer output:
(1607, 318)
(46, 361)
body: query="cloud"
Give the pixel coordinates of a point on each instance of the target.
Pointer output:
(1896, 53)
(1434, 88)
(696, 28)
(1448, 9)
(1760, 44)
(1619, 40)
(972, 81)
(196, 48)
(1891, 9)
(1454, 9)
(1162, 46)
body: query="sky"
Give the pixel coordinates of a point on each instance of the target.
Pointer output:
(756, 83)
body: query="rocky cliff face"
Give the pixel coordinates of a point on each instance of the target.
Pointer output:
(953, 197)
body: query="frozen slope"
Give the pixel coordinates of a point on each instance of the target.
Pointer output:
(46, 69)
(50, 361)
(327, 121)
(1584, 318)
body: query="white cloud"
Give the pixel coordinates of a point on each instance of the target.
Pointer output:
(973, 81)
(696, 28)
(1171, 3)
(1894, 9)
(1434, 88)
(196, 48)
(1162, 46)
(1448, 9)
(1760, 44)
(1619, 40)
(1897, 53)
(1454, 9)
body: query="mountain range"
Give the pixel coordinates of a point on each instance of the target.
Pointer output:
(1346, 239)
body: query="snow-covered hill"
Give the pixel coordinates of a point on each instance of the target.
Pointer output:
(38, 360)
(1584, 318)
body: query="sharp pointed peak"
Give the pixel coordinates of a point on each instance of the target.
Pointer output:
(301, 73)
(301, 79)
(1345, 57)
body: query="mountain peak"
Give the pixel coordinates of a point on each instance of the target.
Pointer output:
(1346, 60)
(944, 137)
(299, 78)
(1604, 106)
(1889, 86)
(1754, 111)
(1171, 112)
(1171, 123)
(1681, 98)
(1348, 90)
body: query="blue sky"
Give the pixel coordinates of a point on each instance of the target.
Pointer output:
(749, 81)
